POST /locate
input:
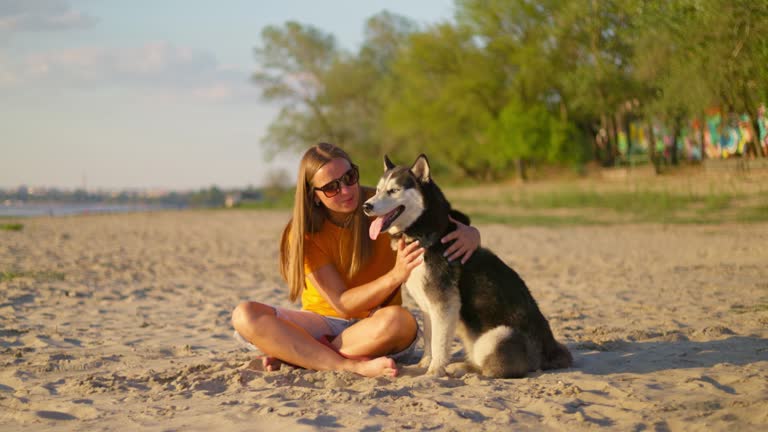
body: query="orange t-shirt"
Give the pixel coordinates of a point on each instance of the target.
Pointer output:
(331, 245)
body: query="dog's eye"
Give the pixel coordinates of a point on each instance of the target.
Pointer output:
(393, 190)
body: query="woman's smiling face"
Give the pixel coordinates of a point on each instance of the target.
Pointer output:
(347, 200)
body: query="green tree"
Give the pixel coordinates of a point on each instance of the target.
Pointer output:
(211, 197)
(444, 97)
(513, 81)
(294, 61)
(713, 54)
(356, 91)
(330, 95)
(569, 57)
(737, 53)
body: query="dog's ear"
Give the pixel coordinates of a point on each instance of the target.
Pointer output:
(388, 165)
(420, 168)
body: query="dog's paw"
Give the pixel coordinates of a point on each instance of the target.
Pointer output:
(425, 361)
(436, 371)
(457, 370)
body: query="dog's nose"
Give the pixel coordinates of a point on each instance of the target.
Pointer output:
(367, 207)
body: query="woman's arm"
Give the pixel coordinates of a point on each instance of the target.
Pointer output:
(466, 240)
(349, 302)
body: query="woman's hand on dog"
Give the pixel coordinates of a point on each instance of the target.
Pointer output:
(408, 257)
(466, 240)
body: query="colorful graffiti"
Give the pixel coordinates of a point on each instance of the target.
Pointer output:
(717, 136)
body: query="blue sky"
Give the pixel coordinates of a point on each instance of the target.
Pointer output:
(151, 93)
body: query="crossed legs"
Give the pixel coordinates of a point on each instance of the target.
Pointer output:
(388, 330)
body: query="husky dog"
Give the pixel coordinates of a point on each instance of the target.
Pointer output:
(503, 331)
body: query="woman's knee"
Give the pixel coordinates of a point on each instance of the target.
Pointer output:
(396, 322)
(247, 312)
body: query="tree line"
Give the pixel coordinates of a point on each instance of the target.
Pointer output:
(513, 82)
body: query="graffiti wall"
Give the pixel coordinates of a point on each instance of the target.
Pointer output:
(718, 136)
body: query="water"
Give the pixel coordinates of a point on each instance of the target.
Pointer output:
(70, 209)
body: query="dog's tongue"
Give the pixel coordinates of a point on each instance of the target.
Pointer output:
(375, 228)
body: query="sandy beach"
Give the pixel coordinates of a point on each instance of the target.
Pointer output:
(121, 322)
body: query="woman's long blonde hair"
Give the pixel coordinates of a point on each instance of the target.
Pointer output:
(309, 217)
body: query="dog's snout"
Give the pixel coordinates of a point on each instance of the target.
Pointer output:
(367, 207)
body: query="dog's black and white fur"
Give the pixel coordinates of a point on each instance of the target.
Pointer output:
(503, 331)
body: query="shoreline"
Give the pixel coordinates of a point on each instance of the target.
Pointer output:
(60, 209)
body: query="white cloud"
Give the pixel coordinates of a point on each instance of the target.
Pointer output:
(154, 62)
(170, 70)
(41, 15)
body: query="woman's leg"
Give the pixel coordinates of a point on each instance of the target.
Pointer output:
(389, 330)
(258, 324)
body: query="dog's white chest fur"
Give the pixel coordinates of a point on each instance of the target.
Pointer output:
(415, 286)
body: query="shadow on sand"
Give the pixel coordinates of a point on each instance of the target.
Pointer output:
(647, 357)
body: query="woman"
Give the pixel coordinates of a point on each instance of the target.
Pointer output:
(351, 317)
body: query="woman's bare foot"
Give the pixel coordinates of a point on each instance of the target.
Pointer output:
(265, 364)
(381, 366)
(271, 364)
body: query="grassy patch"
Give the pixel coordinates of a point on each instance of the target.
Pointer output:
(11, 227)
(567, 205)
(531, 219)
(754, 214)
(40, 276)
(9, 275)
(643, 202)
(717, 202)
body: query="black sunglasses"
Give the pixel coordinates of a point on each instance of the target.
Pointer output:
(333, 187)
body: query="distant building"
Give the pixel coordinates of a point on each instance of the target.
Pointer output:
(232, 199)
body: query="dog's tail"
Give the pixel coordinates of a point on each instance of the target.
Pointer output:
(557, 357)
